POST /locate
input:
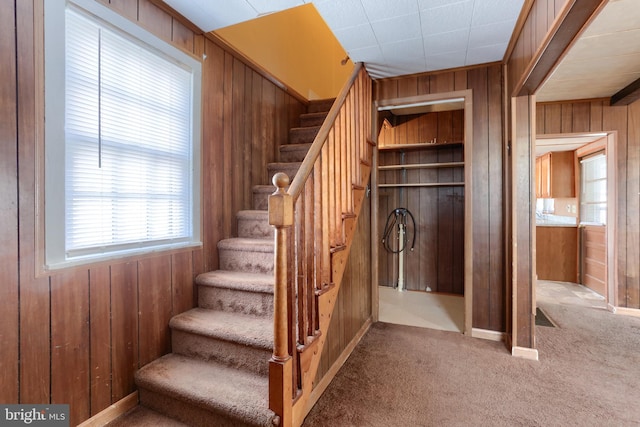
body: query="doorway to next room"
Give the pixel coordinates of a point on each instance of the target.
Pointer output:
(421, 183)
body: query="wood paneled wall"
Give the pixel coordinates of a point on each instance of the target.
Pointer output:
(599, 116)
(534, 29)
(489, 302)
(77, 336)
(353, 305)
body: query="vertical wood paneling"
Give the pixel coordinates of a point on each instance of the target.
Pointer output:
(35, 360)
(9, 302)
(615, 118)
(124, 328)
(78, 336)
(478, 82)
(632, 214)
(182, 279)
(155, 308)
(70, 366)
(213, 157)
(100, 337)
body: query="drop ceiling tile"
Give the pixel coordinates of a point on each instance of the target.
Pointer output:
(270, 6)
(214, 15)
(490, 11)
(483, 54)
(491, 34)
(430, 4)
(411, 48)
(621, 15)
(378, 10)
(356, 37)
(446, 42)
(446, 18)
(446, 60)
(612, 44)
(367, 54)
(341, 14)
(398, 28)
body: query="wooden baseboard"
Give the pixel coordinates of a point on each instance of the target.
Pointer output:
(320, 388)
(627, 311)
(524, 353)
(112, 412)
(487, 334)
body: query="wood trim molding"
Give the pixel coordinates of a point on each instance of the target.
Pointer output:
(489, 335)
(525, 353)
(570, 23)
(627, 95)
(634, 312)
(112, 412)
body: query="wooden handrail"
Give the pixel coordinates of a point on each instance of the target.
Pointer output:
(314, 151)
(315, 224)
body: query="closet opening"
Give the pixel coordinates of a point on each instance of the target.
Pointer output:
(424, 229)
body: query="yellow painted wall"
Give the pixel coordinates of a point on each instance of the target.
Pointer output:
(296, 47)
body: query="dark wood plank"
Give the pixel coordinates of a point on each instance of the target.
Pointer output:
(154, 19)
(9, 274)
(100, 337)
(229, 223)
(258, 168)
(35, 359)
(124, 328)
(70, 366)
(127, 8)
(615, 118)
(442, 82)
(154, 307)
(238, 167)
(182, 36)
(633, 207)
(408, 86)
(182, 281)
(581, 115)
(478, 82)
(497, 282)
(213, 153)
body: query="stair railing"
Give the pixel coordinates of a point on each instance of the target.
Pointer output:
(315, 220)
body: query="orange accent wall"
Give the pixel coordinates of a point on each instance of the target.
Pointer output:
(297, 47)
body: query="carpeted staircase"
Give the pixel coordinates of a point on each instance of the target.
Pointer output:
(217, 374)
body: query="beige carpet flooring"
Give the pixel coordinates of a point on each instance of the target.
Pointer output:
(588, 375)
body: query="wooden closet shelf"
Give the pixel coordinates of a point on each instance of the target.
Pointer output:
(419, 146)
(424, 184)
(422, 166)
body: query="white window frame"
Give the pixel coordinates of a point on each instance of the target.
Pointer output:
(54, 194)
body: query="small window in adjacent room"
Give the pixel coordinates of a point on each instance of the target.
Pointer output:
(593, 194)
(122, 137)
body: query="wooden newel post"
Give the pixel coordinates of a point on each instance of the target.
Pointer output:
(280, 365)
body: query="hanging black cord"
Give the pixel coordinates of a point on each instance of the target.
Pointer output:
(398, 214)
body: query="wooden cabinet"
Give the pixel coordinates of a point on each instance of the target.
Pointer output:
(555, 175)
(557, 253)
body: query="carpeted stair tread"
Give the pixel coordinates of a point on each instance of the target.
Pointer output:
(235, 394)
(320, 105)
(303, 135)
(294, 152)
(246, 244)
(144, 417)
(312, 119)
(261, 195)
(243, 329)
(238, 280)
(254, 224)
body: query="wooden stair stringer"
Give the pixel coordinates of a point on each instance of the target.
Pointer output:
(310, 359)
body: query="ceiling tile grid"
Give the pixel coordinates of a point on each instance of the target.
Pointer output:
(389, 36)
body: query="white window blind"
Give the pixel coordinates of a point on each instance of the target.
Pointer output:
(593, 197)
(129, 143)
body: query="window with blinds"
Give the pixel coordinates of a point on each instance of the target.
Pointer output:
(593, 193)
(125, 155)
